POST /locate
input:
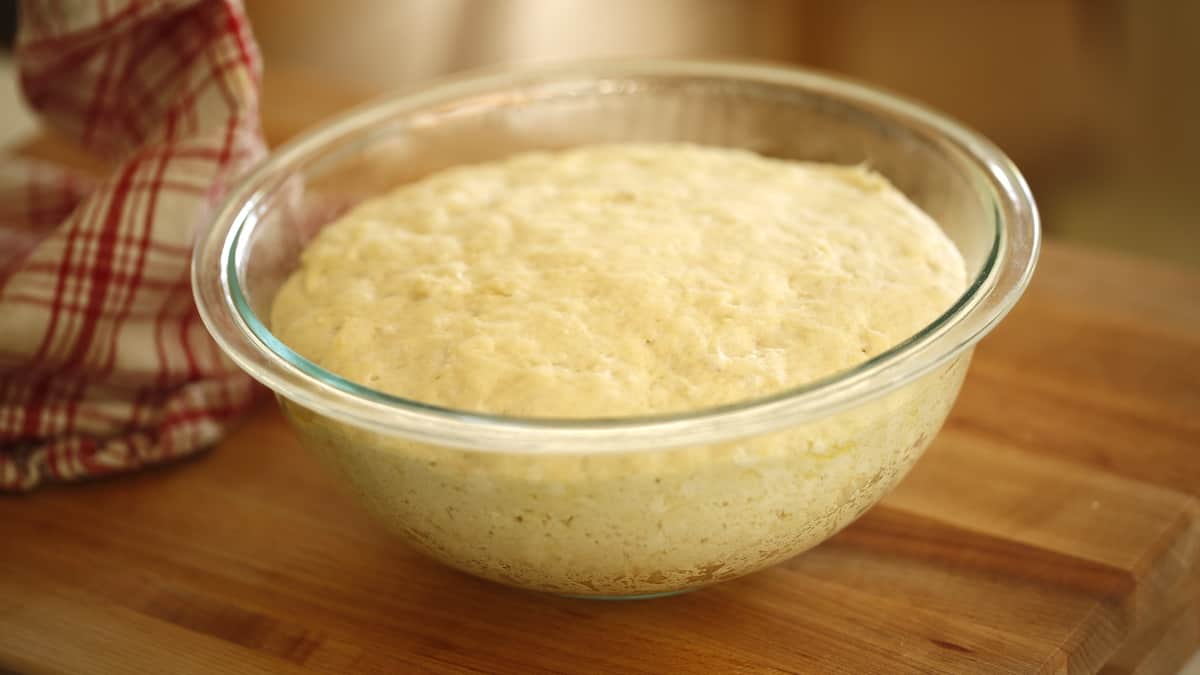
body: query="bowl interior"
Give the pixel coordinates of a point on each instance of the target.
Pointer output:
(963, 182)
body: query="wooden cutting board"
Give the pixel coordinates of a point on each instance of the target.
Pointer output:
(1053, 526)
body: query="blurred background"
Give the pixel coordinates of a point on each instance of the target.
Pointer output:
(1096, 100)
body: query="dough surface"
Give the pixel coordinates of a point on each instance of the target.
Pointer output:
(617, 280)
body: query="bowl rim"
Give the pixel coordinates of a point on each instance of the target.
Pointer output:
(245, 339)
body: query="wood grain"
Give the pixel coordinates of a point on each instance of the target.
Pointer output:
(1053, 527)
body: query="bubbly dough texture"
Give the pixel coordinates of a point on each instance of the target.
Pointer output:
(614, 280)
(617, 279)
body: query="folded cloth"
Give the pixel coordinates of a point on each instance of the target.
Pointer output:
(104, 364)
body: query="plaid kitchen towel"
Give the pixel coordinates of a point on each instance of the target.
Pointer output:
(104, 364)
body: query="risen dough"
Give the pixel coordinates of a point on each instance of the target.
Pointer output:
(614, 280)
(617, 280)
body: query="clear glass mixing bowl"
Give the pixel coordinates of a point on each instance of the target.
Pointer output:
(633, 506)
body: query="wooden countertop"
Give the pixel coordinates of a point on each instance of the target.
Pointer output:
(1053, 526)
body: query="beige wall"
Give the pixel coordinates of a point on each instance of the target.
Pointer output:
(384, 42)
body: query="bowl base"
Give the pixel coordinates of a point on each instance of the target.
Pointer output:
(644, 596)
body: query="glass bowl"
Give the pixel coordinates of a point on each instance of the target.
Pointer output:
(622, 507)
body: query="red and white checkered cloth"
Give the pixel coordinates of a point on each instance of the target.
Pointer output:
(104, 363)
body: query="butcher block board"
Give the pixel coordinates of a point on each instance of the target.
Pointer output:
(1053, 526)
